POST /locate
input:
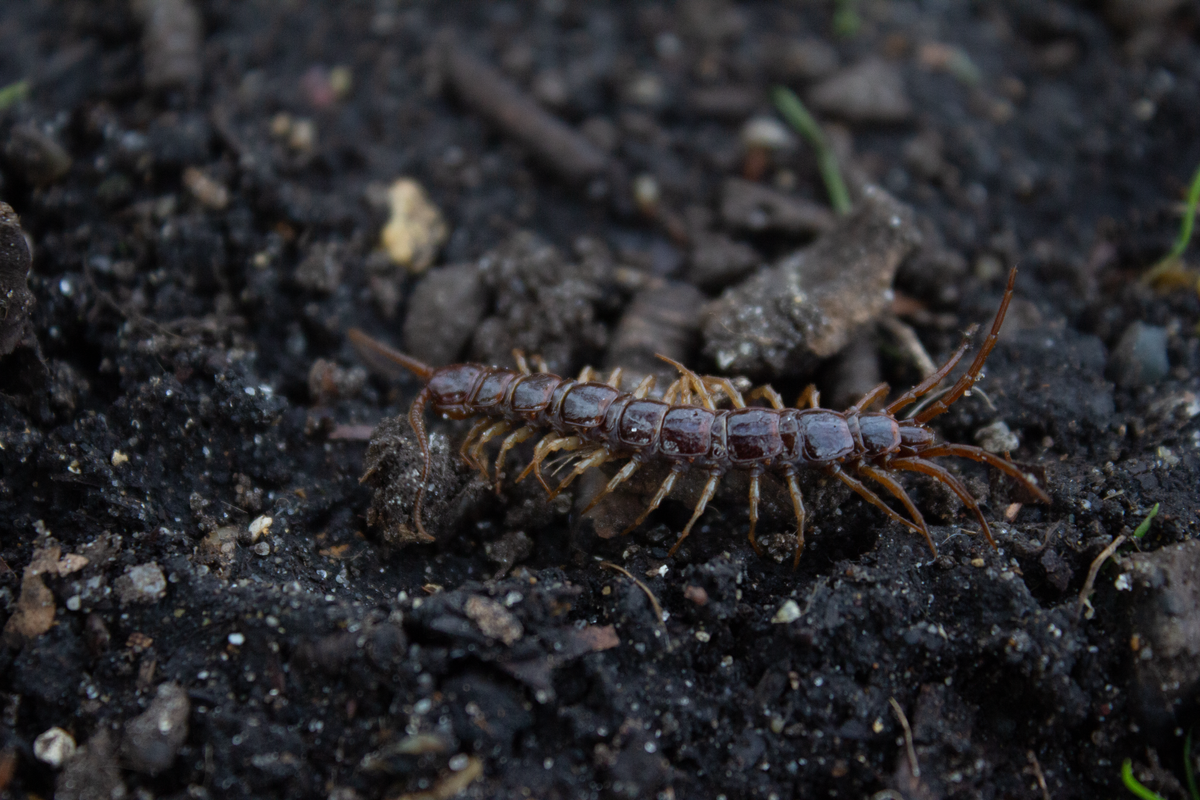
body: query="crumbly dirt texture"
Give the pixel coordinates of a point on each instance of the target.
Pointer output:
(200, 599)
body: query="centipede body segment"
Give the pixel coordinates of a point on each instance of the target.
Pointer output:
(598, 422)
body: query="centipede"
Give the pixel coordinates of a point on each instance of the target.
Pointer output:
(703, 423)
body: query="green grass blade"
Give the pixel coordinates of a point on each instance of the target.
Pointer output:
(1144, 526)
(1188, 772)
(13, 94)
(1134, 785)
(797, 116)
(1169, 262)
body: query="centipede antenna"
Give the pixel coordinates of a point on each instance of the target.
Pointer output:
(381, 358)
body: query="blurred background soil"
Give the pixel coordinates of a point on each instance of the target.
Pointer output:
(199, 597)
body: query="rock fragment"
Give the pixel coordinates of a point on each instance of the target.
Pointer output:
(1165, 632)
(1140, 357)
(659, 321)
(15, 298)
(93, 774)
(445, 309)
(809, 305)
(493, 619)
(54, 747)
(36, 155)
(144, 583)
(393, 469)
(153, 738)
(35, 606)
(870, 91)
(171, 41)
(750, 206)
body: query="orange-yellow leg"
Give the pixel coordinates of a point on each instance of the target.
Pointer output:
(545, 447)
(798, 506)
(754, 510)
(710, 489)
(626, 471)
(597, 458)
(511, 441)
(495, 430)
(663, 491)
(469, 441)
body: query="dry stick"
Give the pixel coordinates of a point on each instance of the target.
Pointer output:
(488, 93)
(910, 344)
(1037, 774)
(908, 738)
(1090, 583)
(653, 600)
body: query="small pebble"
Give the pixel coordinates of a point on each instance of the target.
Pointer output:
(144, 583)
(1140, 357)
(788, 612)
(870, 91)
(54, 747)
(997, 438)
(260, 526)
(237, 639)
(36, 155)
(153, 738)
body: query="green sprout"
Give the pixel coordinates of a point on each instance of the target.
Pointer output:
(846, 21)
(13, 93)
(797, 116)
(1170, 262)
(1136, 786)
(1139, 789)
(1144, 525)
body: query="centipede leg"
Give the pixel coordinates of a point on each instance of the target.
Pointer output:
(694, 380)
(940, 474)
(586, 374)
(614, 378)
(622, 476)
(597, 458)
(754, 510)
(644, 387)
(710, 489)
(770, 394)
(893, 486)
(870, 397)
(477, 451)
(984, 457)
(798, 506)
(540, 364)
(545, 447)
(663, 490)
(871, 497)
(522, 364)
(810, 397)
(465, 450)
(511, 441)
(726, 388)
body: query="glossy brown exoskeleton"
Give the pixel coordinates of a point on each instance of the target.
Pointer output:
(687, 430)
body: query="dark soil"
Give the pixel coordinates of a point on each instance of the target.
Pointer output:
(203, 194)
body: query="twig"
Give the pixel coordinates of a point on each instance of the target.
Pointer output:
(910, 343)
(658, 611)
(908, 738)
(1037, 774)
(797, 116)
(1090, 583)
